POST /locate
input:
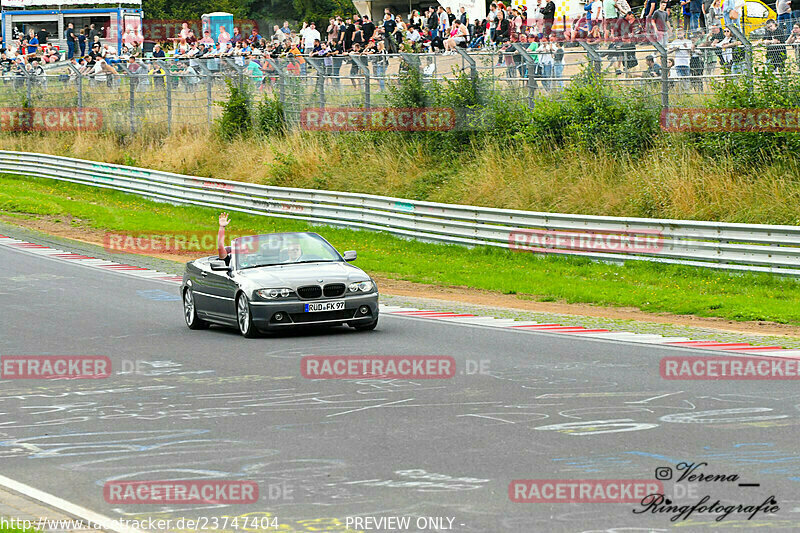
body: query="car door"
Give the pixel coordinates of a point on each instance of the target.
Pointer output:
(197, 273)
(221, 288)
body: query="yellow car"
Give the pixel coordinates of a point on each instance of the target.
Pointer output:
(755, 15)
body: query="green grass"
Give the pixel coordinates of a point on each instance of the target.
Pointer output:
(648, 286)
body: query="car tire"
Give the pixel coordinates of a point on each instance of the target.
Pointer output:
(190, 312)
(366, 327)
(244, 318)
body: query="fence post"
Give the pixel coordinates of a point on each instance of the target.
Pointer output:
(281, 84)
(209, 99)
(28, 84)
(320, 68)
(530, 65)
(78, 84)
(594, 57)
(132, 85)
(662, 52)
(168, 91)
(364, 68)
(473, 70)
(748, 49)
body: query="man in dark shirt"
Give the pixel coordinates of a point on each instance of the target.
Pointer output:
(653, 69)
(349, 30)
(389, 26)
(42, 36)
(774, 37)
(548, 14)
(69, 35)
(367, 28)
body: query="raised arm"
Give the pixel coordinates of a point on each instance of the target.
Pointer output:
(223, 221)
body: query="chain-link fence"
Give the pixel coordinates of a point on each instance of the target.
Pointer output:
(178, 93)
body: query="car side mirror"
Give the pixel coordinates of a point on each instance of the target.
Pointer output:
(220, 266)
(350, 255)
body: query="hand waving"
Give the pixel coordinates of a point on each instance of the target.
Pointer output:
(223, 220)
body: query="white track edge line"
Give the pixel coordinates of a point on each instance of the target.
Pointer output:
(63, 505)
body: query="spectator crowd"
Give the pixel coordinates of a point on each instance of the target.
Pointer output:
(699, 43)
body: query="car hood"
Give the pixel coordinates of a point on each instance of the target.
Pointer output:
(292, 276)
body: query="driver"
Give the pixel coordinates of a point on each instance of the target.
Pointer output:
(295, 252)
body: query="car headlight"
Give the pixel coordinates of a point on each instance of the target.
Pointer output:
(272, 294)
(361, 286)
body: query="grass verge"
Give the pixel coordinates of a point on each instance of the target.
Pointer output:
(671, 181)
(650, 287)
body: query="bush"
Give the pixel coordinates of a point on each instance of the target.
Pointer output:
(236, 119)
(765, 90)
(595, 117)
(270, 118)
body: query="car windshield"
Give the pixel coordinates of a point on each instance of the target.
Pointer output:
(282, 249)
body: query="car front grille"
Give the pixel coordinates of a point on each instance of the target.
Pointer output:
(334, 289)
(309, 291)
(342, 314)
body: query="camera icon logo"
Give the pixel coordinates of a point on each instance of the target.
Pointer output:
(663, 473)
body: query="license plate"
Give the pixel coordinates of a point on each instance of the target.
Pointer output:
(316, 307)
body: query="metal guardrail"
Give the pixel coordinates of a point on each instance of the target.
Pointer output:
(742, 247)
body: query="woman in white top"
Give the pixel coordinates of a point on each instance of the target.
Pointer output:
(728, 45)
(545, 52)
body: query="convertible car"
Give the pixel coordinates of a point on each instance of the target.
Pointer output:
(279, 280)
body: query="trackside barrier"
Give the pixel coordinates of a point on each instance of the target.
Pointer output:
(742, 247)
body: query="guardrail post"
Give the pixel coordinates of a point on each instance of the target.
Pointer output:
(364, 68)
(530, 65)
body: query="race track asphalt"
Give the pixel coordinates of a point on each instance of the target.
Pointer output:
(210, 404)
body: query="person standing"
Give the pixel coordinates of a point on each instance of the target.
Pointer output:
(548, 13)
(695, 12)
(223, 38)
(659, 23)
(82, 42)
(367, 27)
(69, 35)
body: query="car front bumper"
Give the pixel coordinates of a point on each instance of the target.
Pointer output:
(293, 312)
